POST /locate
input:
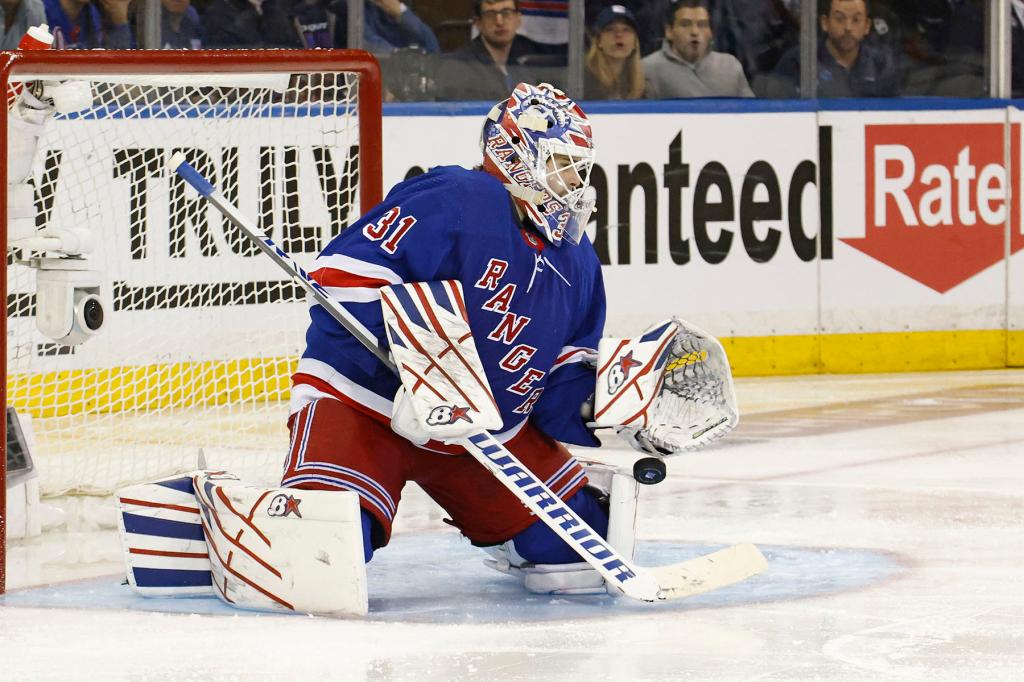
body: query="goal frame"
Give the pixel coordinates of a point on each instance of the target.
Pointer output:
(141, 62)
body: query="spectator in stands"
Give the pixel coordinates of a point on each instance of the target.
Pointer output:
(80, 25)
(388, 25)
(546, 23)
(686, 66)
(847, 65)
(491, 65)
(391, 25)
(886, 28)
(613, 64)
(180, 26)
(650, 19)
(314, 23)
(945, 47)
(756, 32)
(248, 23)
(16, 16)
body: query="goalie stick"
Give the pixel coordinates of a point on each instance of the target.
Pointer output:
(675, 581)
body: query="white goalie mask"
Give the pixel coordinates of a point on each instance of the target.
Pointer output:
(539, 144)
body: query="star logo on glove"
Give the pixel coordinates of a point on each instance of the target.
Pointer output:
(460, 413)
(627, 363)
(619, 372)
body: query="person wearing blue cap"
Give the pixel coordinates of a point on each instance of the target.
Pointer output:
(686, 66)
(649, 15)
(613, 63)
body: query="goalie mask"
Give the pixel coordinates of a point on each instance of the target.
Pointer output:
(539, 144)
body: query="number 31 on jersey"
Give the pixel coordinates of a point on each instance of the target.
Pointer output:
(392, 225)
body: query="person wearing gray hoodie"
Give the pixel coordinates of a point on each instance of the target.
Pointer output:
(686, 66)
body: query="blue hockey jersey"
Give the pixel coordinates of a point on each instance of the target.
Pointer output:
(536, 311)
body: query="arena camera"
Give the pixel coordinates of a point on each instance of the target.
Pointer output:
(69, 304)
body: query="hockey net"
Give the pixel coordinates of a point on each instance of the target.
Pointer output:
(201, 331)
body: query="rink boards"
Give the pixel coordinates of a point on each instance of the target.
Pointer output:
(813, 240)
(809, 240)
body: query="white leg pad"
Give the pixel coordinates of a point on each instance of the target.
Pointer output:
(284, 549)
(162, 539)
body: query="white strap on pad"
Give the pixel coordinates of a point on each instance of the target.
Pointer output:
(284, 549)
(443, 377)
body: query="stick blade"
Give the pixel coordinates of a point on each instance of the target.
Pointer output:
(709, 572)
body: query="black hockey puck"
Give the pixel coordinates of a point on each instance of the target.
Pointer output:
(649, 471)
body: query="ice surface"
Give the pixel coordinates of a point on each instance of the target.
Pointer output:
(406, 591)
(891, 510)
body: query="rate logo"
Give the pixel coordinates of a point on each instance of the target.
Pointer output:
(936, 199)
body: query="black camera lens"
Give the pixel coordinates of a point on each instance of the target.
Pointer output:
(92, 313)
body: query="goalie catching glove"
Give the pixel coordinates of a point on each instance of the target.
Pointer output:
(666, 391)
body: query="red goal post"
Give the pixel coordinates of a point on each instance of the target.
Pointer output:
(249, 141)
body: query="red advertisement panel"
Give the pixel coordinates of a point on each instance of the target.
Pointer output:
(936, 199)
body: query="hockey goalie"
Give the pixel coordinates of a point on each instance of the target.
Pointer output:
(486, 296)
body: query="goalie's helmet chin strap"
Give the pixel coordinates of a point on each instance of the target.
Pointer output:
(534, 196)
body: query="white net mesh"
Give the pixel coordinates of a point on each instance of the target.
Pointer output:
(202, 331)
